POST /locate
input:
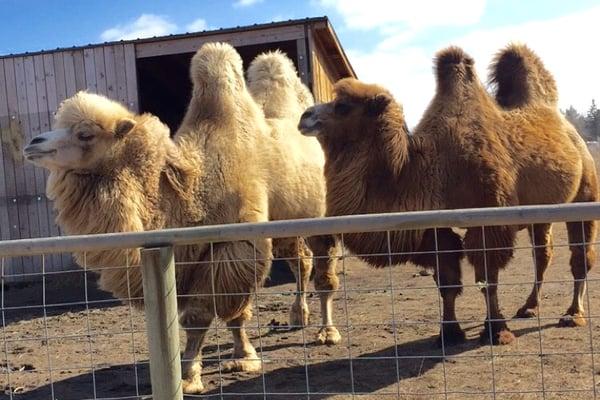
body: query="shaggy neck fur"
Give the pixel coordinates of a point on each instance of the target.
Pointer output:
(390, 170)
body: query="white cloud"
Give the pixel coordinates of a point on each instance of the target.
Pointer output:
(146, 25)
(563, 44)
(414, 15)
(197, 25)
(405, 72)
(246, 3)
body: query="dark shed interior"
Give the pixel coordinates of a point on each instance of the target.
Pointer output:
(165, 87)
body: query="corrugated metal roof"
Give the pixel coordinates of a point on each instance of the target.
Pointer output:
(179, 35)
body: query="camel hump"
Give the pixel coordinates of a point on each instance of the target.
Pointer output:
(274, 83)
(453, 65)
(520, 77)
(217, 64)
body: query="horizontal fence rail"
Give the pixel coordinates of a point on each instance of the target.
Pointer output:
(460, 218)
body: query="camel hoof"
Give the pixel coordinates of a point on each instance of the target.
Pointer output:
(572, 321)
(500, 333)
(249, 363)
(328, 335)
(299, 316)
(192, 385)
(453, 335)
(525, 312)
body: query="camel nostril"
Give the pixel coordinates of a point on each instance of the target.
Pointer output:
(37, 140)
(306, 114)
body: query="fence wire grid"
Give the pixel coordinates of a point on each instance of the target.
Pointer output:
(64, 338)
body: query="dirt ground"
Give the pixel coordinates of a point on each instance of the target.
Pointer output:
(374, 360)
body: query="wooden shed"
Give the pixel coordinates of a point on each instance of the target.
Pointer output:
(148, 75)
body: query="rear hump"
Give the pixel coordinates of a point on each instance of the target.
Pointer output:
(519, 78)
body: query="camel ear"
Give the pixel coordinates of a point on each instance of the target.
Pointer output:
(378, 104)
(123, 127)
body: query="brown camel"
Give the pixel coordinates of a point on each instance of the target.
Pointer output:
(469, 150)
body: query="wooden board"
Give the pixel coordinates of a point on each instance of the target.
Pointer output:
(65, 61)
(303, 62)
(68, 62)
(7, 178)
(192, 44)
(12, 167)
(322, 74)
(40, 105)
(120, 73)
(131, 77)
(111, 78)
(100, 70)
(90, 70)
(80, 79)
(28, 214)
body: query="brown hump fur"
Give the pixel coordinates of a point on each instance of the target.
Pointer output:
(453, 66)
(519, 77)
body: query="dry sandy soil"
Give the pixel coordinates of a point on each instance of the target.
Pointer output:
(374, 360)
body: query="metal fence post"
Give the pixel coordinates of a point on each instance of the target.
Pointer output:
(162, 323)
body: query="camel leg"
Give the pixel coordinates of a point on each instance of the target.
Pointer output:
(244, 357)
(447, 275)
(582, 260)
(300, 261)
(326, 249)
(195, 324)
(487, 264)
(540, 235)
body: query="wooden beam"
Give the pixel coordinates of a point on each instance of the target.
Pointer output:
(192, 44)
(303, 65)
(162, 322)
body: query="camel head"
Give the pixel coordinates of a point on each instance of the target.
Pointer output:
(90, 133)
(357, 109)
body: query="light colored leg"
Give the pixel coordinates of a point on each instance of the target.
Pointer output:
(244, 357)
(196, 326)
(326, 283)
(302, 267)
(582, 260)
(541, 235)
(487, 264)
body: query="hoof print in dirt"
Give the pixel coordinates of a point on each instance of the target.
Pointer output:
(276, 326)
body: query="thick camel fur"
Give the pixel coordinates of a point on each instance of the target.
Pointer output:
(114, 171)
(467, 151)
(296, 182)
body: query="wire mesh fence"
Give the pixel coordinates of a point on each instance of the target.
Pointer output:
(376, 335)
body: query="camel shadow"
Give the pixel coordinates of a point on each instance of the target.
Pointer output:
(364, 373)
(66, 292)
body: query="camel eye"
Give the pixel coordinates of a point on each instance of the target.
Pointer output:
(85, 136)
(342, 108)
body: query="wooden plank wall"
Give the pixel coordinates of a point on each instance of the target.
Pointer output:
(31, 89)
(323, 77)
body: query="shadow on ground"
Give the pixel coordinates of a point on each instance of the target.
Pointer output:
(66, 292)
(366, 373)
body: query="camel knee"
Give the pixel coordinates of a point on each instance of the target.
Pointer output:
(327, 281)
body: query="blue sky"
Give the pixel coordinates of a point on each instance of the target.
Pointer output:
(389, 42)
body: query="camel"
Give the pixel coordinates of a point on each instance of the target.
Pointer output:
(114, 171)
(274, 84)
(468, 150)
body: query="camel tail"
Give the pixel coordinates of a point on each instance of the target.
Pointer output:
(453, 66)
(519, 78)
(274, 83)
